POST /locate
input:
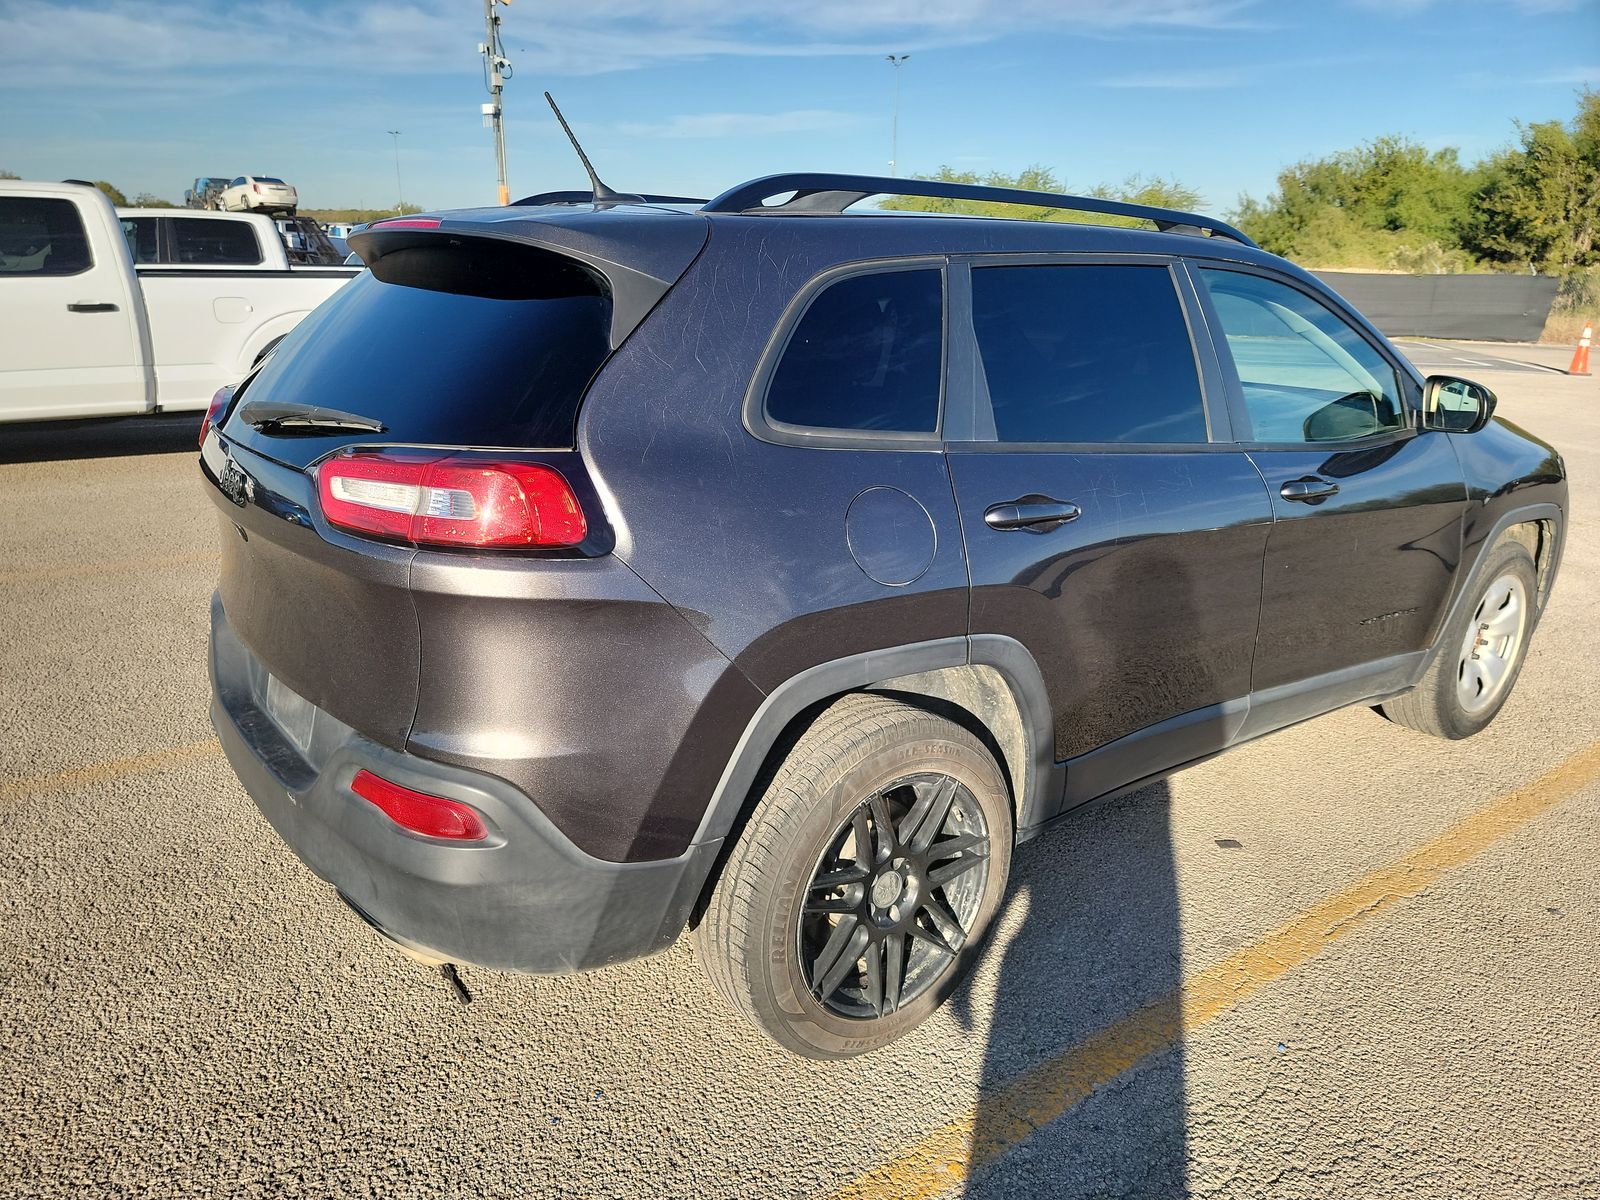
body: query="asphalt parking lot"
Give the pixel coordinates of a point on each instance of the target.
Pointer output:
(1344, 961)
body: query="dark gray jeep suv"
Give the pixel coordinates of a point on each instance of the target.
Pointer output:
(597, 571)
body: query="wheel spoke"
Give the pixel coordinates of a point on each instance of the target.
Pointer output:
(843, 877)
(945, 872)
(863, 836)
(946, 921)
(833, 952)
(874, 980)
(953, 846)
(831, 904)
(884, 823)
(1506, 620)
(919, 836)
(847, 960)
(933, 937)
(894, 962)
(1491, 669)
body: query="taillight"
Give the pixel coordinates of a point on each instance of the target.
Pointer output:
(452, 501)
(431, 816)
(256, 187)
(219, 401)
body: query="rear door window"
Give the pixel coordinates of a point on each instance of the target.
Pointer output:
(866, 356)
(204, 242)
(42, 236)
(1306, 374)
(1087, 353)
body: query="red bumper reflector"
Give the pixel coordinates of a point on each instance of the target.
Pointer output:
(431, 816)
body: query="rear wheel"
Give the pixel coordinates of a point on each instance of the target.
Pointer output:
(1480, 654)
(856, 897)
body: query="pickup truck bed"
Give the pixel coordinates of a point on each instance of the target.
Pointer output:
(86, 331)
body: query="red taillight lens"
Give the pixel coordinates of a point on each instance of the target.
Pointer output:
(256, 187)
(431, 816)
(451, 501)
(219, 401)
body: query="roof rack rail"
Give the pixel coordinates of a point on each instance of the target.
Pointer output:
(588, 198)
(825, 193)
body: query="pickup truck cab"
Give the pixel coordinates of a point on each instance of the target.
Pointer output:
(106, 313)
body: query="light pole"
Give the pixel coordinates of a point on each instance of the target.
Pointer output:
(895, 61)
(399, 191)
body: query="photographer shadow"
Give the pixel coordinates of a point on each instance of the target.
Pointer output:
(1083, 1076)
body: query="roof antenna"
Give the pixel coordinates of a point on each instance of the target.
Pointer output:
(602, 194)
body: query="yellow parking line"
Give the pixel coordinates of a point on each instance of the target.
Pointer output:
(156, 760)
(948, 1155)
(76, 570)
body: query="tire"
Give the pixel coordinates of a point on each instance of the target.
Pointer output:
(1457, 697)
(864, 756)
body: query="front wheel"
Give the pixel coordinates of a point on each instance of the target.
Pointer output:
(855, 899)
(1480, 652)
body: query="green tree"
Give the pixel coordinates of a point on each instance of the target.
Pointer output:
(148, 200)
(9, 175)
(1387, 199)
(1539, 207)
(113, 192)
(1137, 189)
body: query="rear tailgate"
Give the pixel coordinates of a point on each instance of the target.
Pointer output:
(455, 339)
(329, 616)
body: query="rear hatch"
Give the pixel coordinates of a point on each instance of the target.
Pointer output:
(457, 338)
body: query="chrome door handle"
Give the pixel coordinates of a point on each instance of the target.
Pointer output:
(1308, 490)
(1037, 514)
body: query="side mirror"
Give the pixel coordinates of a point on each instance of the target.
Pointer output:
(1453, 405)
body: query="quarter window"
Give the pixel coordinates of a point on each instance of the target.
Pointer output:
(1097, 354)
(865, 356)
(1307, 375)
(214, 241)
(41, 236)
(141, 235)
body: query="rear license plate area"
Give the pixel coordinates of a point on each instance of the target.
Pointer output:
(290, 712)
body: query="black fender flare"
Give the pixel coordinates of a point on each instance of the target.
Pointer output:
(1516, 516)
(858, 672)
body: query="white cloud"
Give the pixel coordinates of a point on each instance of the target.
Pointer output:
(734, 124)
(126, 42)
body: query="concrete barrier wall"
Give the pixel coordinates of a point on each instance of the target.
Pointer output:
(1495, 308)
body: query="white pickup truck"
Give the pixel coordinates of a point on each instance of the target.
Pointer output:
(108, 314)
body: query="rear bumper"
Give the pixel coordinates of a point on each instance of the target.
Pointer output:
(524, 899)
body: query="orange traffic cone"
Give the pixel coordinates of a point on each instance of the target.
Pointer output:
(1580, 356)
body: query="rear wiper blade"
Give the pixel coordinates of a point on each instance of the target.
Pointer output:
(267, 417)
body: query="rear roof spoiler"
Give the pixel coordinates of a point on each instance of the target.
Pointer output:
(827, 193)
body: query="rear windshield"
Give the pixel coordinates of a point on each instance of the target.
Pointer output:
(491, 346)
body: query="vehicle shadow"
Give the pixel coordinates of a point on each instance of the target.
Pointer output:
(49, 441)
(1099, 942)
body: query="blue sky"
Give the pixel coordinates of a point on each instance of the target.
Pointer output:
(694, 95)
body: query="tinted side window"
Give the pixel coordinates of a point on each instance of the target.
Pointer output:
(1306, 375)
(141, 235)
(197, 240)
(866, 355)
(41, 237)
(1086, 354)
